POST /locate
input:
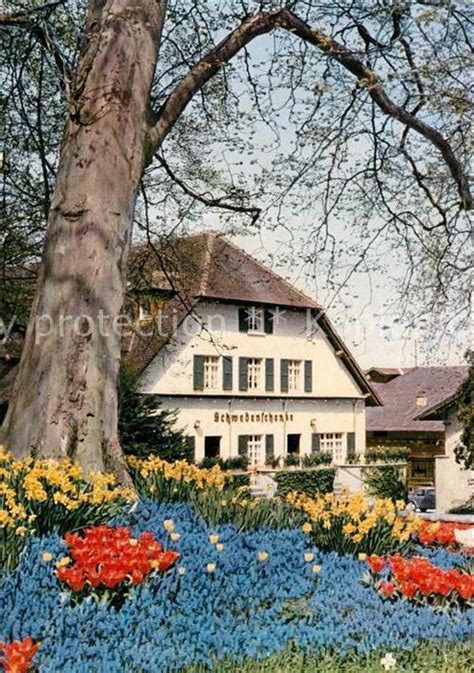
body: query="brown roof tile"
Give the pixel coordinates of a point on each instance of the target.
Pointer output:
(400, 409)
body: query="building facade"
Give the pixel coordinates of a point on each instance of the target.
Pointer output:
(406, 394)
(253, 366)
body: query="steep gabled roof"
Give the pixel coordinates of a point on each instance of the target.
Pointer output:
(400, 412)
(208, 266)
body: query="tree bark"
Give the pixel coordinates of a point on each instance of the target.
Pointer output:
(64, 402)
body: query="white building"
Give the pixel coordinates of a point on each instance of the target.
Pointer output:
(252, 365)
(454, 484)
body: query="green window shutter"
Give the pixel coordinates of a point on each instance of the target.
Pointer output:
(269, 449)
(243, 445)
(351, 447)
(227, 372)
(198, 372)
(243, 376)
(268, 321)
(284, 376)
(269, 375)
(243, 320)
(315, 443)
(308, 376)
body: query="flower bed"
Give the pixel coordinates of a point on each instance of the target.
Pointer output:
(233, 596)
(440, 533)
(419, 580)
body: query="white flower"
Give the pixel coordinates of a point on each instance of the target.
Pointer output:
(213, 539)
(308, 557)
(169, 525)
(181, 570)
(219, 547)
(175, 536)
(262, 556)
(388, 661)
(210, 567)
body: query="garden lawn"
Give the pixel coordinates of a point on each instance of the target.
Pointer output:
(248, 607)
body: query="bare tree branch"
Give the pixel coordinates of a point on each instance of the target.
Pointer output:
(23, 20)
(261, 23)
(212, 202)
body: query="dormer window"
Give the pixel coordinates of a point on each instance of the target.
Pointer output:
(256, 320)
(421, 400)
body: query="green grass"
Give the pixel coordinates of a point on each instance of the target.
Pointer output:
(427, 658)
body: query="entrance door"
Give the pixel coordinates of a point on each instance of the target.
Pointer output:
(293, 444)
(212, 446)
(255, 450)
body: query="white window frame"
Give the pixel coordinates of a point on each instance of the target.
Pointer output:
(255, 320)
(254, 373)
(295, 376)
(335, 443)
(255, 449)
(211, 376)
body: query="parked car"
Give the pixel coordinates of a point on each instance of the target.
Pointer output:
(422, 498)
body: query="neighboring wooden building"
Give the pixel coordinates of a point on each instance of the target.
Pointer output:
(405, 394)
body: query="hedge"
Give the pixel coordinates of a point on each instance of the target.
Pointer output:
(310, 482)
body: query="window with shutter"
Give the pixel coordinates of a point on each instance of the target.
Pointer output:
(315, 443)
(351, 449)
(243, 376)
(268, 321)
(243, 320)
(269, 375)
(243, 445)
(191, 445)
(227, 372)
(308, 376)
(284, 376)
(198, 372)
(269, 449)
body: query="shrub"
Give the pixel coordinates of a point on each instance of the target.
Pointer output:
(386, 454)
(318, 458)
(309, 481)
(350, 524)
(237, 463)
(386, 482)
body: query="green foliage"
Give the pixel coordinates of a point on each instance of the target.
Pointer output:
(317, 458)
(143, 430)
(386, 454)
(425, 658)
(386, 482)
(307, 481)
(236, 463)
(464, 451)
(235, 506)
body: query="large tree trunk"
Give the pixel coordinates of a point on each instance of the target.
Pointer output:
(65, 401)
